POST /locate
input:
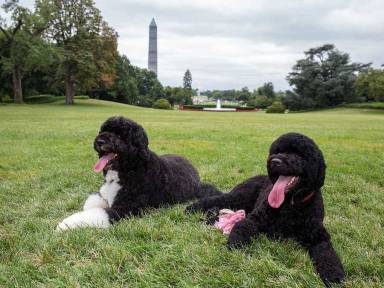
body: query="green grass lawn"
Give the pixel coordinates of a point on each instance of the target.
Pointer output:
(46, 160)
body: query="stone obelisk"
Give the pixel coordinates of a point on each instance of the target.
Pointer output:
(152, 49)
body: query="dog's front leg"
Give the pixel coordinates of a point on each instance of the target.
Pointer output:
(326, 262)
(242, 233)
(95, 201)
(205, 204)
(95, 217)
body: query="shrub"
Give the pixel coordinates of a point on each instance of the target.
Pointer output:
(260, 101)
(211, 106)
(161, 104)
(368, 105)
(41, 99)
(47, 98)
(144, 101)
(6, 99)
(276, 107)
(82, 97)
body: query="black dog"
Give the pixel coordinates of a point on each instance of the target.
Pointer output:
(135, 177)
(285, 204)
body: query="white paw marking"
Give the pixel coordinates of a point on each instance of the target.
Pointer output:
(95, 201)
(96, 217)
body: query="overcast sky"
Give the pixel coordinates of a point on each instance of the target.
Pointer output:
(231, 44)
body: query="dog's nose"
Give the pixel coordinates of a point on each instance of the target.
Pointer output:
(276, 161)
(100, 142)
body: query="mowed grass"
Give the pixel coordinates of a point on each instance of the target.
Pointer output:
(46, 157)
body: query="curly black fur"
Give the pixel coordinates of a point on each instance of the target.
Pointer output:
(146, 180)
(301, 214)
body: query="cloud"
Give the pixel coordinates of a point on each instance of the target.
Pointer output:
(231, 44)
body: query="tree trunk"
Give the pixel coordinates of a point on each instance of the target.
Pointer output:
(17, 89)
(69, 90)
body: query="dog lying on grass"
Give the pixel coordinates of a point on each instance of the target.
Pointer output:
(285, 204)
(135, 178)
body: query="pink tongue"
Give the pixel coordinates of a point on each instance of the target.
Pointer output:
(100, 164)
(277, 195)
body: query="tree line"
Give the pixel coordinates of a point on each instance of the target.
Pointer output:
(324, 78)
(65, 47)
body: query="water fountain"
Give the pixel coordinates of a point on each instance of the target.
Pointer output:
(218, 108)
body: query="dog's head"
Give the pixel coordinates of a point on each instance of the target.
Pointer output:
(120, 139)
(296, 167)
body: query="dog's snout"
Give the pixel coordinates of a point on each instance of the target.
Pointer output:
(100, 142)
(276, 161)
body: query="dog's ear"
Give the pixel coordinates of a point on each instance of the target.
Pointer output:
(140, 142)
(319, 168)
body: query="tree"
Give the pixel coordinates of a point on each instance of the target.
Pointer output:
(125, 84)
(370, 85)
(266, 90)
(260, 101)
(216, 94)
(243, 95)
(187, 80)
(86, 44)
(18, 48)
(325, 77)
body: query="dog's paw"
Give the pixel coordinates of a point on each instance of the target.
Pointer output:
(241, 234)
(333, 277)
(236, 241)
(62, 226)
(96, 217)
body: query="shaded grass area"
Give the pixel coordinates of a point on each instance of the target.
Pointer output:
(46, 157)
(367, 105)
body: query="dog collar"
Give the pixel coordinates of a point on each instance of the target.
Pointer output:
(305, 199)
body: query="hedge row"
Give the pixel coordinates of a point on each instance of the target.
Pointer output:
(368, 105)
(211, 106)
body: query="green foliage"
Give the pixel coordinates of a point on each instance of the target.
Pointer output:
(145, 101)
(267, 90)
(146, 81)
(178, 95)
(260, 101)
(41, 99)
(370, 85)
(212, 106)
(276, 107)
(82, 97)
(295, 103)
(87, 45)
(243, 95)
(324, 78)
(162, 104)
(125, 86)
(187, 80)
(21, 46)
(368, 105)
(44, 99)
(6, 99)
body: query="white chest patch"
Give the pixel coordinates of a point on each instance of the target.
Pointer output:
(111, 186)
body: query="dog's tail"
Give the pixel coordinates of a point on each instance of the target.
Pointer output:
(208, 190)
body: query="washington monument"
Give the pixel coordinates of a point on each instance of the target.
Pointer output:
(152, 49)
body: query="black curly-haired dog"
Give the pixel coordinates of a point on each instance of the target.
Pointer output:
(285, 204)
(135, 177)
